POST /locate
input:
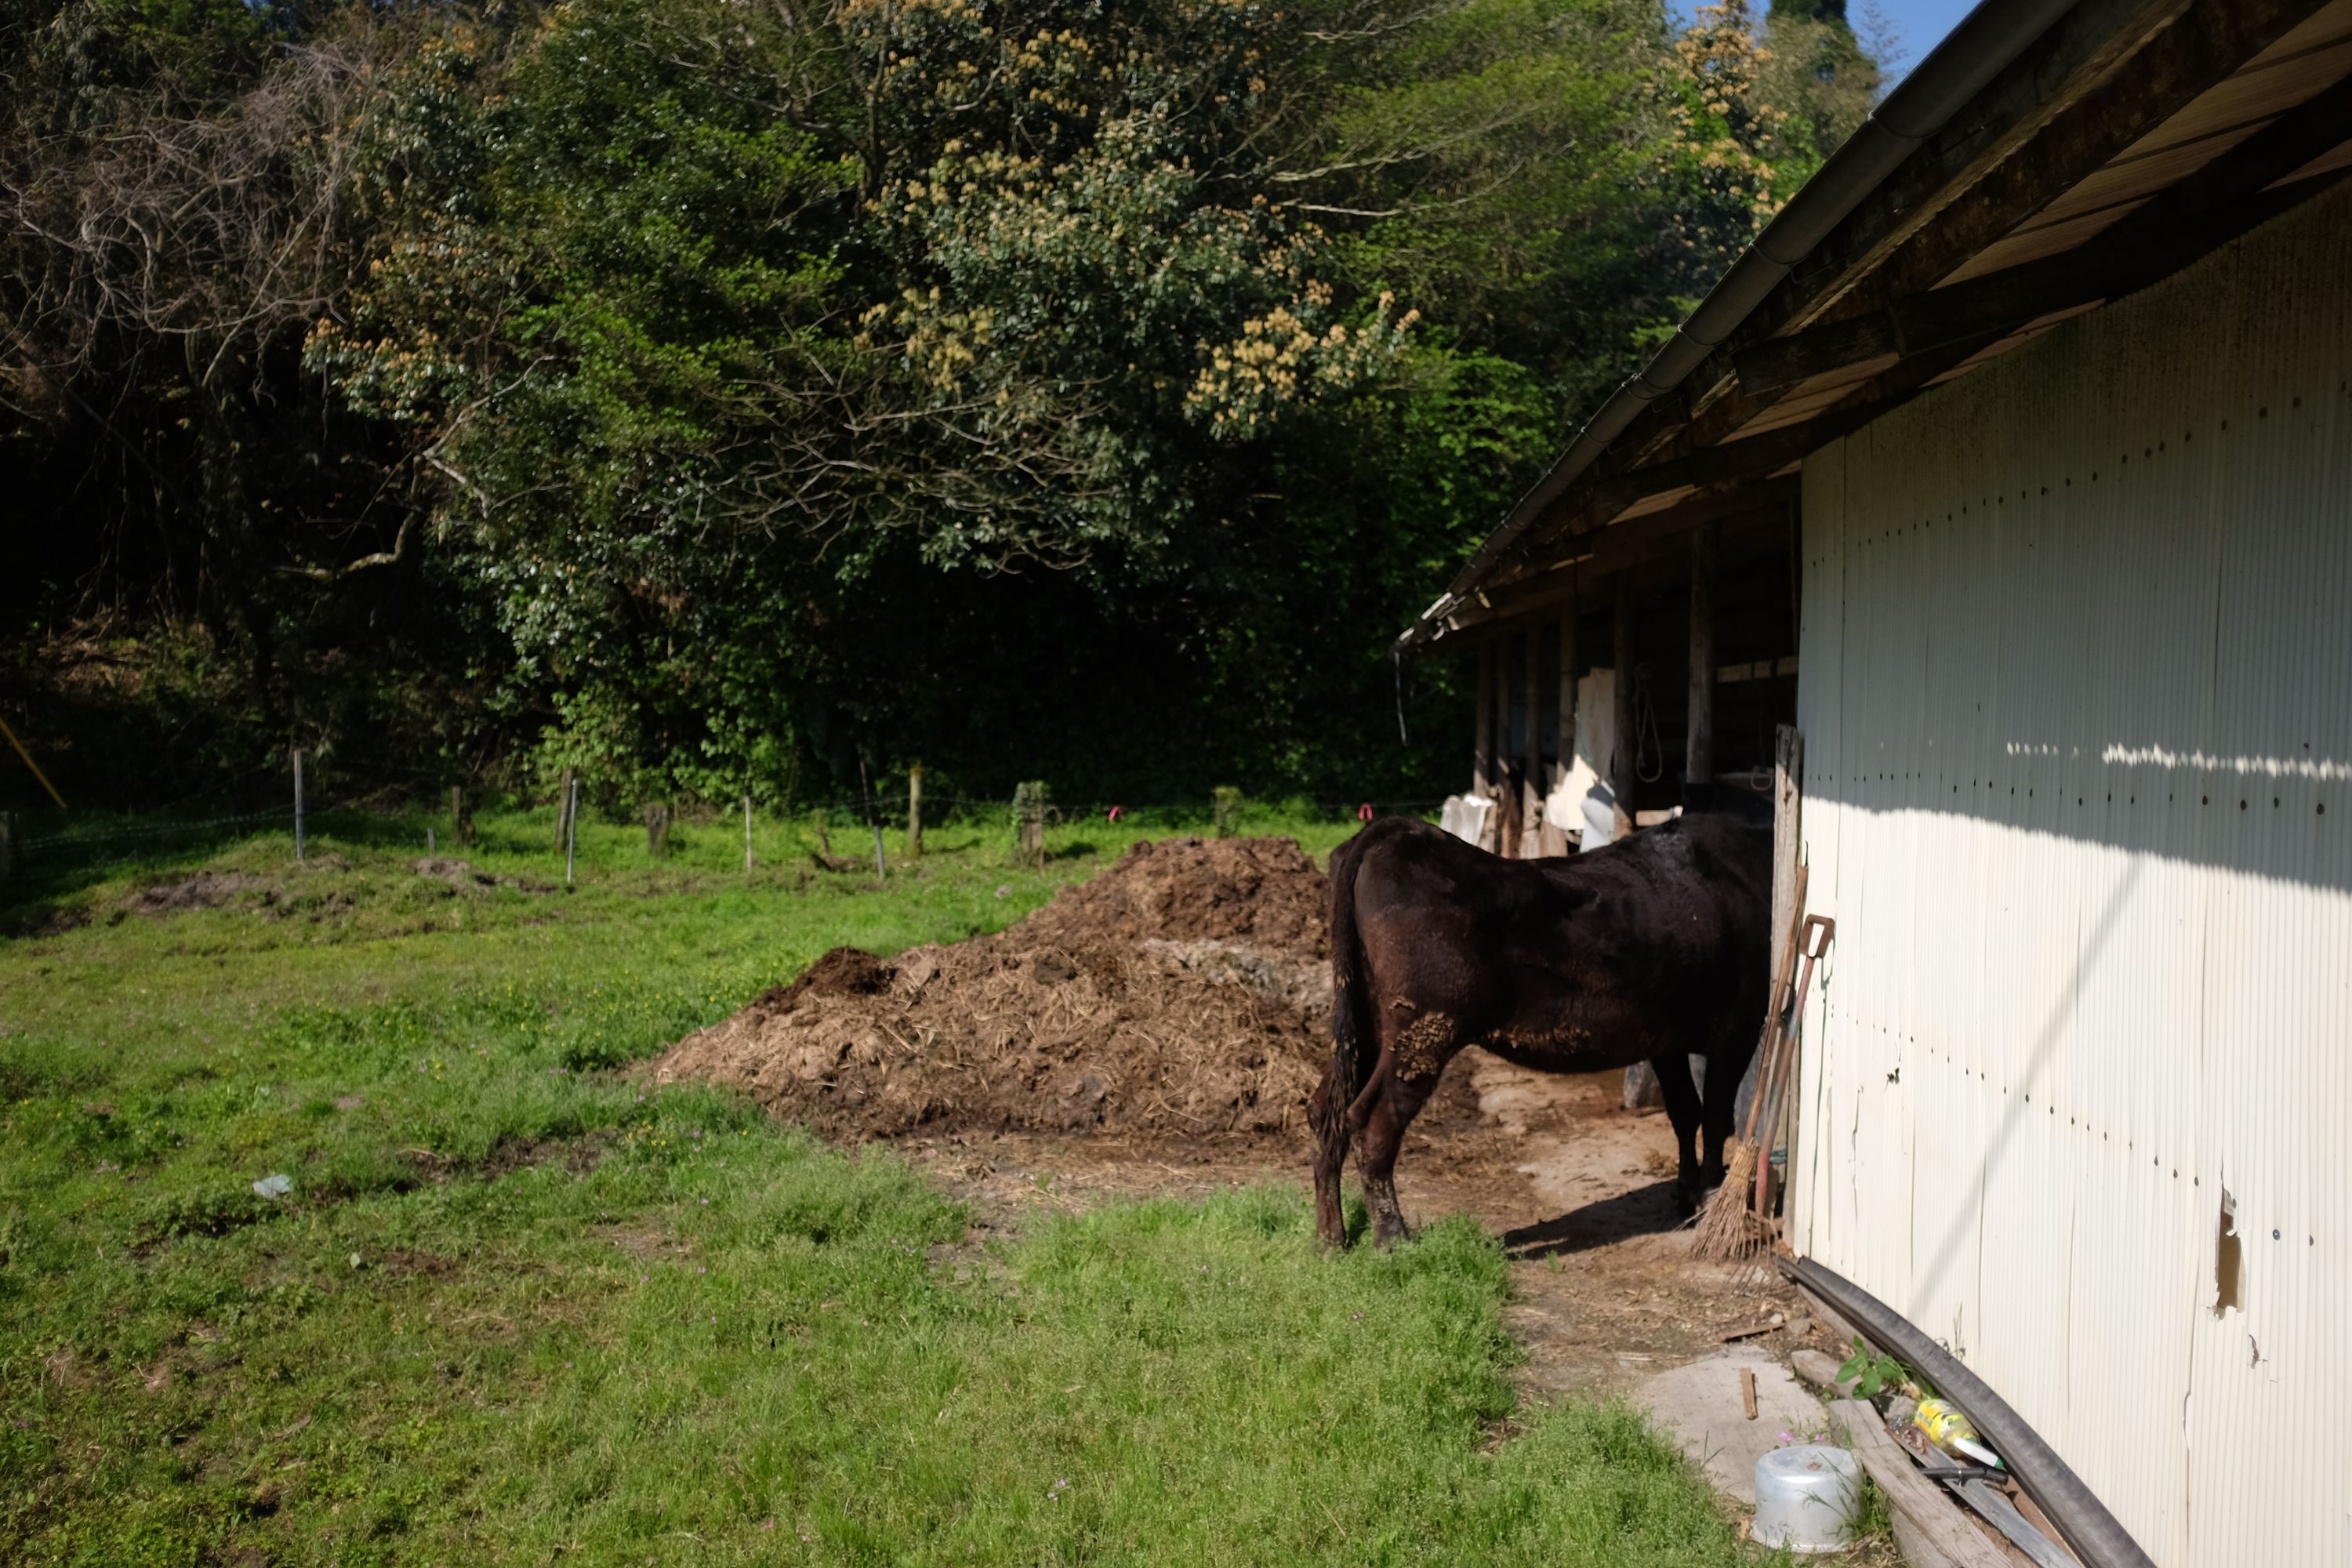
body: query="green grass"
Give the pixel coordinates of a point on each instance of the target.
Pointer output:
(521, 1307)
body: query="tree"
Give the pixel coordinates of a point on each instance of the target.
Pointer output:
(712, 395)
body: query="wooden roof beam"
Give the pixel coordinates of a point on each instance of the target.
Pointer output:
(2206, 43)
(2079, 54)
(2185, 222)
(2184, 60)
(2080, 50)
(2183, 48)
(1726, 466)
(1629, 545)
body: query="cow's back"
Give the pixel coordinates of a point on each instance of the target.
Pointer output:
(1594, 959)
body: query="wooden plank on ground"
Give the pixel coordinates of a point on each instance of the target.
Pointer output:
(1938, 1525)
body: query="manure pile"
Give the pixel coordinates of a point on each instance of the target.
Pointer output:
(1185, 990)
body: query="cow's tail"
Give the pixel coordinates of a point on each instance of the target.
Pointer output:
(1354, 1037)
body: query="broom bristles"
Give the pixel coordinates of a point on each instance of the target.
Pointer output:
(1726, 1230)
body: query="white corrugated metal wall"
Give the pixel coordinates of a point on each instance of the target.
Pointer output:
(2077, 704)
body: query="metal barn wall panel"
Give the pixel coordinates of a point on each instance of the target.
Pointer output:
(2077, 706)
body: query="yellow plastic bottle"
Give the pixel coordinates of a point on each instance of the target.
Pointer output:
(1950, 1430)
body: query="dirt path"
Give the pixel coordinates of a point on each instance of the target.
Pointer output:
(1580, 1191)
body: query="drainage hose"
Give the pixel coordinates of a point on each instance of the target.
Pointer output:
(2093, 1534)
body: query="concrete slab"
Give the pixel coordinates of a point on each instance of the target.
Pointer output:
(1699, 1405)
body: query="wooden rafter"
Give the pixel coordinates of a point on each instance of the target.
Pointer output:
(2194, 53)
(2065, 98)
(1629, 545)
(2185, 221)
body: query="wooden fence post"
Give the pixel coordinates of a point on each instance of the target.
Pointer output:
(1029, 820)
(461, 816)
(571, 822)
(747, 833)
(1228, 810)
(915, 812)
(567, 798)
(298, 806)
(657, 815)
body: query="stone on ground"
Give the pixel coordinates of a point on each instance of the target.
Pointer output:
(1699, 1407)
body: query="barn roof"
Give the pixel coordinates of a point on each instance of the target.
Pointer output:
(2049, 156)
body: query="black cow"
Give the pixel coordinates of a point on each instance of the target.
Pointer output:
(1652, 949)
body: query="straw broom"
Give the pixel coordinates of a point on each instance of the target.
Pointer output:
(1726, 1228)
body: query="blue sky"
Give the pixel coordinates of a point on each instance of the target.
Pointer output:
(1919, 24)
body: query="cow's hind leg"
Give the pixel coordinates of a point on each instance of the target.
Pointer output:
(1332, 1126)
(1393, 1101)
(1725, 1069)
(1684, 1110)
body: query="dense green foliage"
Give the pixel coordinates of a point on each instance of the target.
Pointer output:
(517, 1307)
(722, 397)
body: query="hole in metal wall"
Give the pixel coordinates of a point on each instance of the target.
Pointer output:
(2226, 1257)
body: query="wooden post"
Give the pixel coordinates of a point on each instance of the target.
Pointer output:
(567, 799)
(298, 823)
(1788, 851)
(1532, 786)
(461, 816)
(571, 822)
(747, 833)
(7, 845)
(656, 816)
(915, 812)
(1482, 759)
(1940, 1533)
(880, 875)
(1621, 767)
(1228, 807)
(1698, 743)
(1788, 888)
(1567, 692)
(1029, 821)
(1507, 729)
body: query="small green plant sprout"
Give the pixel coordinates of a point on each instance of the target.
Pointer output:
(1872, 1518)
(1870, 1372)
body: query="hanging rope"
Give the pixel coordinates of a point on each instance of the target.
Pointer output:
(1645, 729)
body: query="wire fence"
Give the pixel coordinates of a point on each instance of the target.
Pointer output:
(37, 844)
